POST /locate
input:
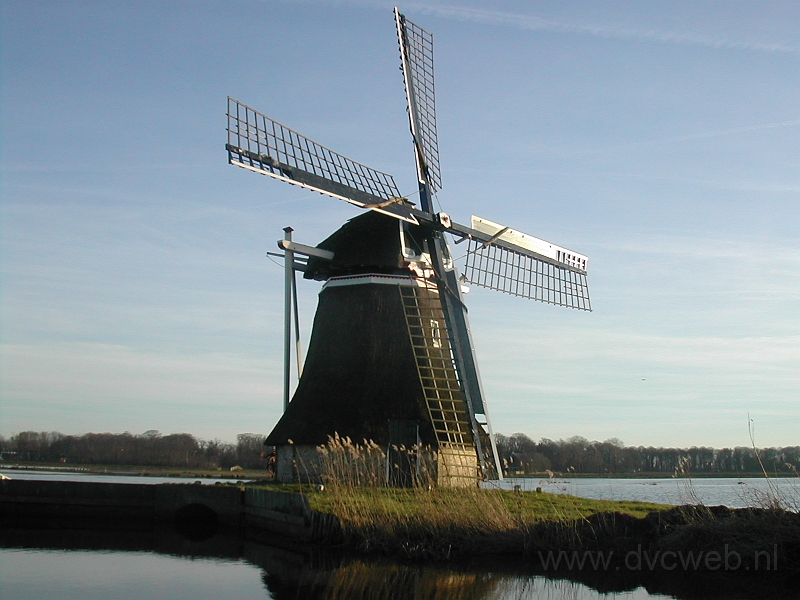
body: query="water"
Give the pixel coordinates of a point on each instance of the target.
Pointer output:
(727, 491)
(166, 567)
(89, 575)
(64, 475)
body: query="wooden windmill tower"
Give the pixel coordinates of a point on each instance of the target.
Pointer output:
(391, 357)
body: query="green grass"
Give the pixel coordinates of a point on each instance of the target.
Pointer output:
(443, 522)
(429, 520)
(525, 506)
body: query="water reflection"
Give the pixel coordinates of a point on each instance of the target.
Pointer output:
(374, 581)
(360, 580)
(72, 565)
(82, 565)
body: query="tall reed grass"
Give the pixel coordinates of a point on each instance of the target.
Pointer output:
(425, 519)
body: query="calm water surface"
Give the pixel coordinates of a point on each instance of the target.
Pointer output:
(89, 575)
(262, 572)
(58, 475)
(728, 491)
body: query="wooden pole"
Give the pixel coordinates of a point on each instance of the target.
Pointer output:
(287, 317)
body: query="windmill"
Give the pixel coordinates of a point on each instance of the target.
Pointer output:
(391, 357)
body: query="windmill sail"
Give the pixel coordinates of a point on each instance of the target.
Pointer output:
(261, 144)
(500, 258)
(416, 61)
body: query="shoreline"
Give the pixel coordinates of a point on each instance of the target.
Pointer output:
(650, 475)
(141, 471)
(262, 475)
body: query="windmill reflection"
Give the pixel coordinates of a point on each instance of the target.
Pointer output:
(359, 580)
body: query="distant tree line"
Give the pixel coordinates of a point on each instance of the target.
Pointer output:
(150, 448)
(520, 454)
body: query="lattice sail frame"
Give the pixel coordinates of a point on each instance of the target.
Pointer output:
(416, 62)
(259, 143)
(498, 268)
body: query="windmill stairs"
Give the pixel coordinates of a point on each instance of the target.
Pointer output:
(440, 384)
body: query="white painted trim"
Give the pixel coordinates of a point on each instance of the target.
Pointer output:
(303, 249)
(528, 242)
(375, 278)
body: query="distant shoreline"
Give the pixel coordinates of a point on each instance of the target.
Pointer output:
(157, 471)
(649, 475)
(140, 471)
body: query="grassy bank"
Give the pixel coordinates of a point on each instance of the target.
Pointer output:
(446, 523)
(428, 521)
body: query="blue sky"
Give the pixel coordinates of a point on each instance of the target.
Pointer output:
(661, 139)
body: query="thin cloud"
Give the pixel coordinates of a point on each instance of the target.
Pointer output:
(721, 184)
(694, 136)
(706, 247)
(721, 132)
(717, 352)
(534, 23)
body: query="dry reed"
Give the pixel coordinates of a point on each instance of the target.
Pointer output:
(424, 519)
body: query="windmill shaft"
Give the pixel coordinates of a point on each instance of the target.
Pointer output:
(297, 327)
(287, 318)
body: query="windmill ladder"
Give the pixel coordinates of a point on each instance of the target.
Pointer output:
(458, 460)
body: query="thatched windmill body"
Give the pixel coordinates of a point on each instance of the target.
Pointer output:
(391, 357)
